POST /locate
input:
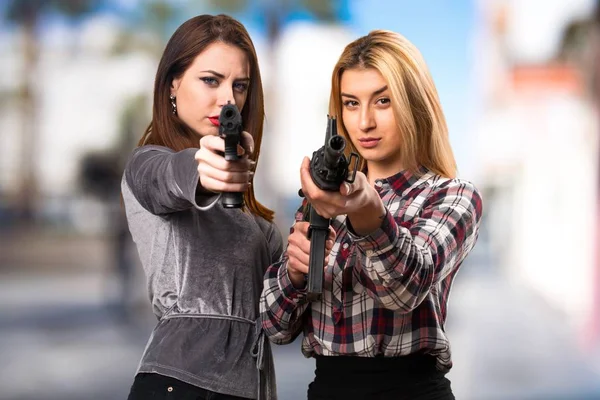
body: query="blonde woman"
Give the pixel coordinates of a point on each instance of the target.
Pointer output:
(402, 230)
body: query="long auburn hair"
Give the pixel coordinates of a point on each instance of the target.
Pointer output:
(189, 40)
(415, 100)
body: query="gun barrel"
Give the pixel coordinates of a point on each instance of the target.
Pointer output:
(229, 120)
(331, 130)
(334, 151)
(230, 129)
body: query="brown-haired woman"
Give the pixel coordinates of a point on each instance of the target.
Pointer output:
(204, 263)
(402, 230)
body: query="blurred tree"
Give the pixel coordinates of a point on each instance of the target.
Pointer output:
(149, 28)
(158, 15)
(322, 10)
(230, 6)
(277, 11)
(27, 14)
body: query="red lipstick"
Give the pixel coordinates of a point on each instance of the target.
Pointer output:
(214, 120)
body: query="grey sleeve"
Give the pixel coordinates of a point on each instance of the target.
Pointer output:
(164, 181)
(275, 243)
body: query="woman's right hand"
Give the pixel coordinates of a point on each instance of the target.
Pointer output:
(298, 252)
(219, 175)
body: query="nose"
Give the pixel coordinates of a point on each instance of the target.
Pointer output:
(367, 119)
(225, 95)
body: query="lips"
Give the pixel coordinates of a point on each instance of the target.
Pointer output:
(369, 143)
(214, 120)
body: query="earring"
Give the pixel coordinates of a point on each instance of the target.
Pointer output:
(173, 105)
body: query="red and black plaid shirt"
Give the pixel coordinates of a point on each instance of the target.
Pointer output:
(385, 293)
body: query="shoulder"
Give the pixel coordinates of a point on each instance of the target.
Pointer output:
(456, 192)
(143, 154)
(438, 182)
(151, 148)
(268, 228)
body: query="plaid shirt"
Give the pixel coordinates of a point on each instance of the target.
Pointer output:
(385, 293)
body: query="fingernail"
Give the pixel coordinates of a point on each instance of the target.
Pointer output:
(347, 188)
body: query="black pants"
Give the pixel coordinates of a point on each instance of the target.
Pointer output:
(160, 387)
(412, 377)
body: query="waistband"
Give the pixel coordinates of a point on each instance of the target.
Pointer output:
(399, 367)
(259, 350)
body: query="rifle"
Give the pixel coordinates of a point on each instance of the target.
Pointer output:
(328, 170)
(230, 129)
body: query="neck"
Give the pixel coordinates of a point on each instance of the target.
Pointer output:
(382, 170)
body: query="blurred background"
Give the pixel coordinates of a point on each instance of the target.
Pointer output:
(518, 81)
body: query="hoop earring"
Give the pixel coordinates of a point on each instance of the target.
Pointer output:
(173, 105)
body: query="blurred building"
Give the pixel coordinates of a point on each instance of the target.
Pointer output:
(538, 147)
(298, 104)
(80, 108)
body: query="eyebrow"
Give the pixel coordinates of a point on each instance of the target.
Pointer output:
(218, 75)
(375, 93)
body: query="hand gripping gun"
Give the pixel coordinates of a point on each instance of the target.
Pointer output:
(328, 170)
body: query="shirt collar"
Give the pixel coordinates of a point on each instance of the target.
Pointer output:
(402, 180)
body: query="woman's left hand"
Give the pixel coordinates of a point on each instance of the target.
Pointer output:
(350, 199)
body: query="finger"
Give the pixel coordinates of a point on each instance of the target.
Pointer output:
(251, 164)
(324, 211)
(297, 266)
(302, 227)
(217, 161)
(225, 176)
(206, 157)
(243, 164)
(331, 235)
(212, 143)
(240, 150)
(329, 245)
(300, 241)
(306, 182)
(219, 186)
(247, 142)
(359, 184)
(318, 197)
(298, 254)
(326, 263)
(346, 189)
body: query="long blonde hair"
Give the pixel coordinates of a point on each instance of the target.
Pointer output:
(415, 100)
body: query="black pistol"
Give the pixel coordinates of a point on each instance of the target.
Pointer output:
(328, 170)
(230, 129)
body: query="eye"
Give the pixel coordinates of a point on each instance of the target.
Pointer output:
(350, 103)
(209, 80)
(240, 86)
(383, 101)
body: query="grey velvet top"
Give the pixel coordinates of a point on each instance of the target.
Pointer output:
(204, 269)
